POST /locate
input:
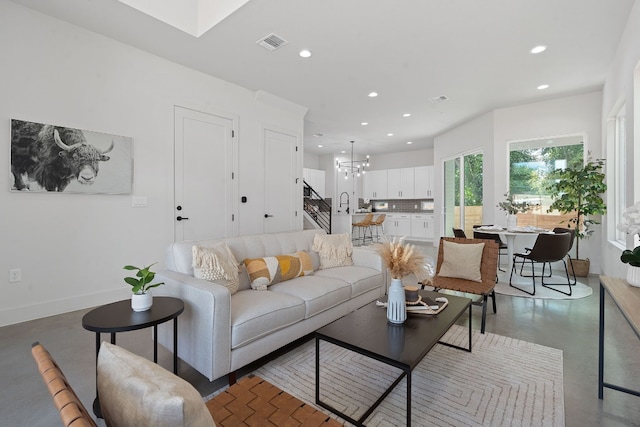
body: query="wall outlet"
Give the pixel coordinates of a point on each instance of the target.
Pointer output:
(415, 206)
(394, 206)
(15, 275)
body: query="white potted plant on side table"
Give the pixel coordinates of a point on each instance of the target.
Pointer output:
(631, 225)
(141, 298)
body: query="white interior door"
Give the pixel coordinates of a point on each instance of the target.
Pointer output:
(203, 175)
(282, 191)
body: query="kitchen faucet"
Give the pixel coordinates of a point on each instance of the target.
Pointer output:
(347, 202)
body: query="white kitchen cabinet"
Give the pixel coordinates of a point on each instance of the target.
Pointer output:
(400, 183)
(423, 182)
(316, 179)
(398, 224)
(374, 184)
(422, 226)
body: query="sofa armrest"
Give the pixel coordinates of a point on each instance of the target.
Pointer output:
(366, 257)
(204, 328)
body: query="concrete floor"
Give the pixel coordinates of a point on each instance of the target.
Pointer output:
(568, 325)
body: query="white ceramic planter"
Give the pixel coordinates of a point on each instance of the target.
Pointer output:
(396, 306)
(141, 302)
(512, 222)
(633, 275)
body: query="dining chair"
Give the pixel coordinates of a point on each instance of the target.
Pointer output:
(491, 236)
(548, 248)
(459, 232)
(557, 230)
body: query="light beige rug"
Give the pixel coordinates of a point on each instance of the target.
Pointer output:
(503, 382)
(579, 290)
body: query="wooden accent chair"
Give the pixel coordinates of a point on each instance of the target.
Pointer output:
(488, 271)
(362, 227)
(72, 411)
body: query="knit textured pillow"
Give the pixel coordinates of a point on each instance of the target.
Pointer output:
(274, 269)
(216, 264)
(461, 260)
(334, 249)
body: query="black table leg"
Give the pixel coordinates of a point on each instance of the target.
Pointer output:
(470, 330)
(601, 346)
(317, 370)
(175, 346)
(96, 402)
(408, 372)
(155, 343)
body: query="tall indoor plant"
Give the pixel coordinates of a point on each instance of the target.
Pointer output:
(578, 190)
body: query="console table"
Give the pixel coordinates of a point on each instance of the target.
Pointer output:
(627, 299)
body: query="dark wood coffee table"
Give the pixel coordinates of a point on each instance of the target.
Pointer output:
(366, 331)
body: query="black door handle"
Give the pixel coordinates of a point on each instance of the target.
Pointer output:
(268, 216)
(180, 218)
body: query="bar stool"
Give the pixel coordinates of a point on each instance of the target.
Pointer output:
(378, 224)
(362, 227)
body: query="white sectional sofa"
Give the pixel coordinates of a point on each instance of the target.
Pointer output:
(220, 333)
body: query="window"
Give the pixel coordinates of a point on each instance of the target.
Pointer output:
(616, 181)
(530, 163)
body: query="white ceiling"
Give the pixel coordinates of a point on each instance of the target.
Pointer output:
(475, 52)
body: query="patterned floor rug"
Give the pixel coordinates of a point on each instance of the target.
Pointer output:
(503, 382)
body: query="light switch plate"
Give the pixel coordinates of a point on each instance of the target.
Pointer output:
(139, 201)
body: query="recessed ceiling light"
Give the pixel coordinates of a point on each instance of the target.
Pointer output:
(406, 115)
(320, 145)
(343, 151)
(318, 135)
(389, 134)
(538, 49)
(305, 53)
(373, 94)
(409, 142)
(364, 123)
(542, 87)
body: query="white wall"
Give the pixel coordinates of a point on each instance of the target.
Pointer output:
(621, 84)
(491, 133)
(403, 159)
(71, 248)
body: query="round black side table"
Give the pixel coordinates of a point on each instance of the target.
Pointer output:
(119, 317)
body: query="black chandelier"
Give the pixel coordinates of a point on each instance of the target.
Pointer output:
(354, 167)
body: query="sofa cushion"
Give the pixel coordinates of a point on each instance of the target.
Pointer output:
(270, 270)
(361, 279)
(318, 293)
(137, 392)
(334, 249)
(216, 264)
(255, 314)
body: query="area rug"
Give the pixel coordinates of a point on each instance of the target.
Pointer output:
(579, 290)
(503, 382)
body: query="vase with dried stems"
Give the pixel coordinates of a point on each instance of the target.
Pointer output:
(401, 259)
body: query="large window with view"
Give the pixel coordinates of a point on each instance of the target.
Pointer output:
(530, 165)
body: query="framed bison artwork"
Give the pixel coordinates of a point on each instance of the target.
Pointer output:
(60, 159)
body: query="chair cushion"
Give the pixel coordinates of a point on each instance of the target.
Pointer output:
(334, 249)
(137, 392)
(461, 260)
(271, 270)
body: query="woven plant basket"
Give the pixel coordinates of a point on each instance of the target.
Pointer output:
(580, 267)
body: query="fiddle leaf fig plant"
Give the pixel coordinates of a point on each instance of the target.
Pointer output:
(141, 283)
(578, 190)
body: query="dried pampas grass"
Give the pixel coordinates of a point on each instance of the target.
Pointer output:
(402, 259)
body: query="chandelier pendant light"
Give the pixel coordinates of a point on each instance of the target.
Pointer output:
(354, 166)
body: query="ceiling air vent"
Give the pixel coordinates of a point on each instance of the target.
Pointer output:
(272, 42)
(437, 99)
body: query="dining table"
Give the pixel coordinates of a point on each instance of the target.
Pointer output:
(510, 235)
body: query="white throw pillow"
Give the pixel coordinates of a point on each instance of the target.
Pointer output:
(135, 391)
(461, 260)
(216, 264)
(334, 249)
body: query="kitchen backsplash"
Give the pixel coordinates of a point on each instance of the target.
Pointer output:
(397, 205)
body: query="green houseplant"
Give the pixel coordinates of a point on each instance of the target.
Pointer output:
(631, 225)
(141, 298)
(578, 190)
